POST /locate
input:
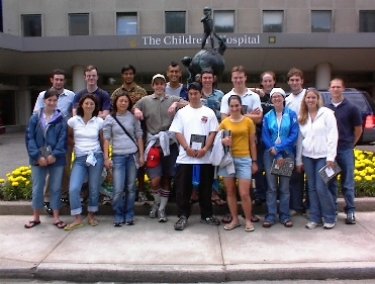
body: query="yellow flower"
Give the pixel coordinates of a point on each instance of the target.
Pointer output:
(2, 180)
(362, 173)
(14, 183)
(9, 174)
(358, 178)
(27, 182)
(368, 178)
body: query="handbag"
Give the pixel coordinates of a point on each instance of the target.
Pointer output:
(136, 154)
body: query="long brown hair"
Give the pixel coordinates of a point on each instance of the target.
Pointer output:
(304, 113)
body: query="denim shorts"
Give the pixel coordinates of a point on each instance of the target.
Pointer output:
(242, 167)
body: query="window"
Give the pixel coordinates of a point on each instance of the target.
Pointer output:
(321, 21)
(224, 21)
(273, 21)
(367, 21)
(31, 25)
(127, 23)
(175, 22)
(79, 24)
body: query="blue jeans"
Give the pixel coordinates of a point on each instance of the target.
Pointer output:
(38, 176)
(275, 182)
(321, 199)
(77, 176)
(345, 159)
(124, 173)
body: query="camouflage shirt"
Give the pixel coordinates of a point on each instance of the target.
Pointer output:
(135, 92)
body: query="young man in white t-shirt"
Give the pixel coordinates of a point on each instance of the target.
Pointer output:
(195, 126)
(293, 101)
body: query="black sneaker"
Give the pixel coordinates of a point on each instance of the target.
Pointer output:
(181, 223)
(258, 201)
(47, 209)
(129, 223)
(350, 219)
(64, 201)
(211, 221)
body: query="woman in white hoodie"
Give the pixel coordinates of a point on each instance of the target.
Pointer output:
(316, 148)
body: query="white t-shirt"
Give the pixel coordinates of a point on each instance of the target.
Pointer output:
(188, 121)
(294, 101)
(86, 136)
(250, 101)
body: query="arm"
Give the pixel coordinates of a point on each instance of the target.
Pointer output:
(357, 133)
(107, 161)
(253, 153)
(266, 135)
(291, 139)
(256, 115)
(103, 114)
(70, 136)
(39, 102)
(299, 152)
(61, 146)
(141, 151)
(31, 145)
(182, 141)
(332, 136)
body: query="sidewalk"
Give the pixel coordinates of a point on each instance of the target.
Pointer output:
(154, 252)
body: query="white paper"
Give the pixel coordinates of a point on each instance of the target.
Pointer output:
(329, 171)
(196, 145)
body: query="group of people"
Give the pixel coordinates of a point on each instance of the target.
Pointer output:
(193, 135)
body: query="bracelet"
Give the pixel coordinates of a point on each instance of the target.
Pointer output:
(254, 161)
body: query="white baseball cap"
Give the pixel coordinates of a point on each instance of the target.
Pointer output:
(158, 76)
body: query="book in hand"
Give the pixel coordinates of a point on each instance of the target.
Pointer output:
(197, 141)
(285, 170)
(45, 151)
(328, 173)
(226, 133)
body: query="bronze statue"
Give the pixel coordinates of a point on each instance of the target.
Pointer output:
(208, 27)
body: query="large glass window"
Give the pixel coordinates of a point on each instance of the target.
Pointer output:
(175, 22)
(79, 24)
(273, 21)
(224, 21)
(321, 21)
(31, 25)
(127, 23)
(367, 21)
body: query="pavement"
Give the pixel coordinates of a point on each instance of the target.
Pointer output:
(154, 252)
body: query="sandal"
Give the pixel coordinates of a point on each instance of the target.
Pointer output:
(60, 224)
(32, 224)
(267, 224)
(254, 218)
(288, 224)
(93, 222)
(249, 228)
(231, 226)
(72, 226)
(218, 201)
(227, 218)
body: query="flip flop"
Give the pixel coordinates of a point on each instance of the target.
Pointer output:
(218, 201)
(72, 227)
(60, 224)
(93, 222)
(267, 224)
(249, 228)
(32, 224)
(288, 224)
(227, 218)
(230, 227)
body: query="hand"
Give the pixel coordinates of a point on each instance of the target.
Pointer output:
(200, 153)
(280, 162)
(141, 160)
(330, 164)
(256, 111)
(299, 169)
(260, 92)
(51, 159)
(273, 151)
(108, 164)
(190, 152)
(42, 162)
(172, 109)
(138, 114)
(254, 168)
(227, 141)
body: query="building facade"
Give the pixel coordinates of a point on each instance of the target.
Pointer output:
(324, 38)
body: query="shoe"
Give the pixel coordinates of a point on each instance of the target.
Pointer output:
(64, 201)
(292, 212)
(154, 210)
(328, 225)
(162, 216)
(142, 197)
(117, 224)
(129, 223)
(258, 201)
(106, 200)
(210, 221)
(312, 225)
(84, 200)
(47, 209)
(181, 223)
(350, 219)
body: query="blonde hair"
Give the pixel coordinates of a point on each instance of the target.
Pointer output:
(304, 113)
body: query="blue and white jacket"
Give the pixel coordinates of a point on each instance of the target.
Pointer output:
(54, 135)
(288, 132)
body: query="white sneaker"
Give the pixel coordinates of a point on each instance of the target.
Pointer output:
(328, 225)
(154, 210)
(162, 216)
(312, 225)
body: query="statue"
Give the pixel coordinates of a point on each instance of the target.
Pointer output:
(207, 58)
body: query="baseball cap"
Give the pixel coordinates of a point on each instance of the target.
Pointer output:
(278, 90)
(153, 157)
(195, 86)
(158, 76)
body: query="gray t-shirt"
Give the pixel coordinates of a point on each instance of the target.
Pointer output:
(173, 92)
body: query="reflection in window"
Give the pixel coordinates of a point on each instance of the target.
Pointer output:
(273, 21)
(321, 21)
(31, 25)
(367, 21)
(224, 21)
(175, 22)
(79, 24)
(127, 23)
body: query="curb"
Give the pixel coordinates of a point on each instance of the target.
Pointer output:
(363, 204)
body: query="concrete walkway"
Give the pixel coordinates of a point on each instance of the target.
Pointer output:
(154, 252)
